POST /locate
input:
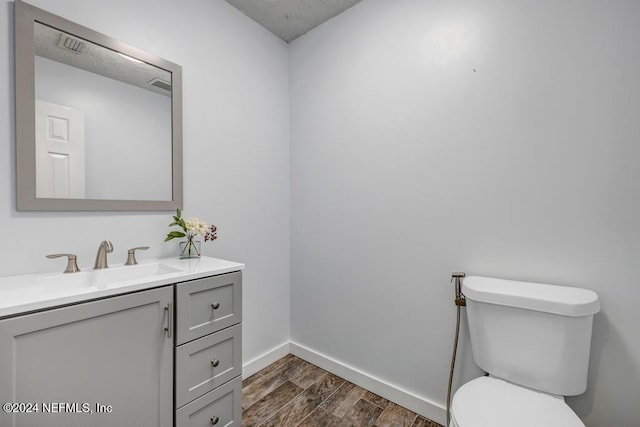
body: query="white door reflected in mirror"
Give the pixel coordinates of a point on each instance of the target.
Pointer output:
(60, 165)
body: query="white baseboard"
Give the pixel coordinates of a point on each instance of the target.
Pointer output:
(265, 359)
(389, 391)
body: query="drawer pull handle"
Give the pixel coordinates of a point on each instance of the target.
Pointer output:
(215, 306)
(169, 329)
(215, 363)
(214, 420)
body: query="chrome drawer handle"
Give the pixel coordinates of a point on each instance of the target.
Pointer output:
(215, 306)
(214, 420)
(215, 363)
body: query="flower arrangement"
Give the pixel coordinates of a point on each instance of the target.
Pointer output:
(191, 228)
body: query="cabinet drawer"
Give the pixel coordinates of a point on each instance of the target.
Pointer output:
(220, 407)
(208, 305)
(204, 364)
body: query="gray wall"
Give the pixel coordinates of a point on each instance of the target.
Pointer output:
(236, 152)
(498, 138)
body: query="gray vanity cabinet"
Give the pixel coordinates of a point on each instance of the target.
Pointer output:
(209, 351)
(113, 355)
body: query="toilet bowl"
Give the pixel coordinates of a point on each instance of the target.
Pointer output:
(492, 402)
(534, 340)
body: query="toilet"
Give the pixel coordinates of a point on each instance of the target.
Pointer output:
(534, 341)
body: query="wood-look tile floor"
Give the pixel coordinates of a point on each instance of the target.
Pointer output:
(292, 392)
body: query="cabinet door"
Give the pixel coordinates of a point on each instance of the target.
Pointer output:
(103, 363)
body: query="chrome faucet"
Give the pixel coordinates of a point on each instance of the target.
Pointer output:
(101, 259)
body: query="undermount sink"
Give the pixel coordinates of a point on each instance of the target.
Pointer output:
(106, 277)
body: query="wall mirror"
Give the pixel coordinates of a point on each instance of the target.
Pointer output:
(98, 122)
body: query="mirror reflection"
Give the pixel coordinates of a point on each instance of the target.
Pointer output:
(98, 121)
(103, 122)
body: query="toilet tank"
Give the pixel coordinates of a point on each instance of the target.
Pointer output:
(532, 334)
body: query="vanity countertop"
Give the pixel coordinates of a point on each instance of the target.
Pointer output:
(29, 292)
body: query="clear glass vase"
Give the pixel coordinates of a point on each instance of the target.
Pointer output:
(190, 249)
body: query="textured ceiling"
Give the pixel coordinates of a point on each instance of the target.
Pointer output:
(99, 60)
(289, 19)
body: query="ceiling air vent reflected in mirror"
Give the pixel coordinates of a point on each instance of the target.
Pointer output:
(70, 44)
(162, 84)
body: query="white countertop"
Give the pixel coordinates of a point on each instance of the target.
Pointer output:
(29, 292)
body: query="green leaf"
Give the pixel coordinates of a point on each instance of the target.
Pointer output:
(173, 235)
(177, 220)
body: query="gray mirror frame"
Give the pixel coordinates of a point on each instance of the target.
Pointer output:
(26, 200)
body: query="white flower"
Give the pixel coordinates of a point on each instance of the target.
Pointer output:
(195, 226)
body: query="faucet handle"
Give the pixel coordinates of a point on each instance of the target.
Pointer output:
(72, 266)
(131, 255)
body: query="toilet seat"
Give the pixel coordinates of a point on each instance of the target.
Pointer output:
(492, 402)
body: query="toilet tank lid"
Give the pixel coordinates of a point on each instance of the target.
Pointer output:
(562, 300)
